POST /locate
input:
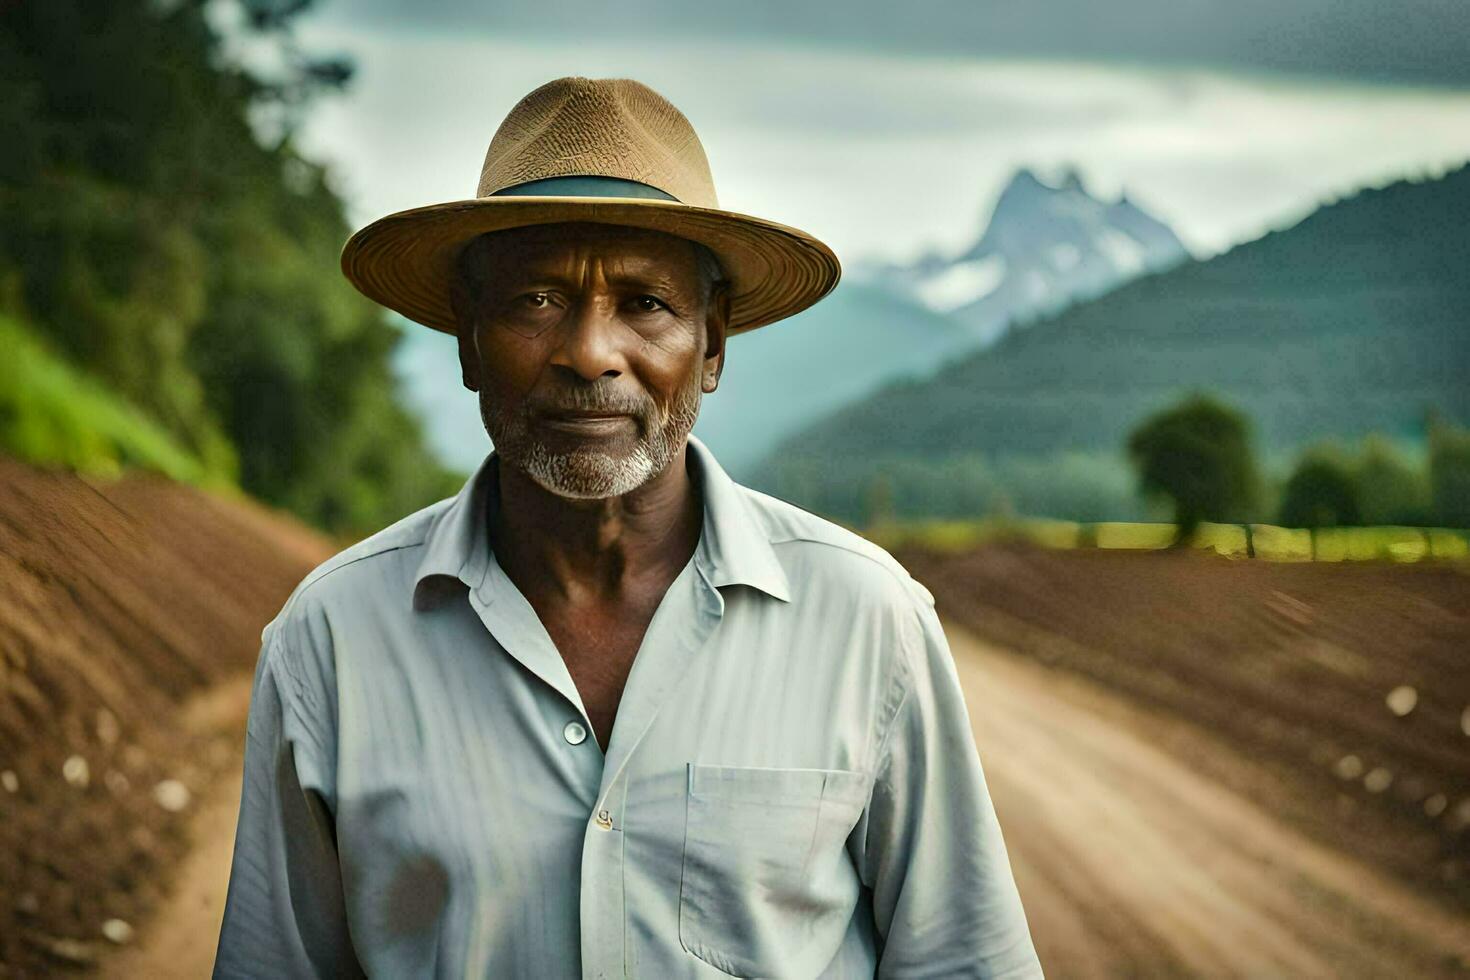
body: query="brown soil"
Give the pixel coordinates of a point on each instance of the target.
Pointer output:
(1165, 736)
(1270, 679)
(123, 606)
(1131, 862)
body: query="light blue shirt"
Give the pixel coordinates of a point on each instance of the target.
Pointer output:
(791, 787)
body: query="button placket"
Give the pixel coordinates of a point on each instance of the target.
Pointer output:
(602, 902)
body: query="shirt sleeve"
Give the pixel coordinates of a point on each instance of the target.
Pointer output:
(284, 910)
(945, 901)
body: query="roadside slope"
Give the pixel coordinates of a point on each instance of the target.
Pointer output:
(121, 602)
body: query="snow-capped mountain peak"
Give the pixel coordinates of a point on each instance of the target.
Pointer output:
(1042, 248)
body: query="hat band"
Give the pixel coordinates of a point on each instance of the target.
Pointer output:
(589, 186)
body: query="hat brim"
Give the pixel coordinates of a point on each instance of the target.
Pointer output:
(405, 260)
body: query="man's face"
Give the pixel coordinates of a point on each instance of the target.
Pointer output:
(590, 346)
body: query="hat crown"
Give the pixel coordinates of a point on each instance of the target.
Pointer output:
(599, 127)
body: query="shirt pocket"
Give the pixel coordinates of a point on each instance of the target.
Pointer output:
(767, 888)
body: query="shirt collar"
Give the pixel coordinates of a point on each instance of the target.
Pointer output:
(734, 546)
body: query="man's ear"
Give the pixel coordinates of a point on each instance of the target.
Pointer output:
(469, 359)
(716, 323)
(464, 332)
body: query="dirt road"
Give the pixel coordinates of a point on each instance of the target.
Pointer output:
(179, 942)
(1128, 861)
(1132, 864)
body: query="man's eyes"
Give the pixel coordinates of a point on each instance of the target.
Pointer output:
(646, 303)
(649, 304)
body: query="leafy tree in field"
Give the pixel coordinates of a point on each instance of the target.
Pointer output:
(1197, 455)
(1321, 492)
(1449, 474)
(169, 250)
(1390, 489)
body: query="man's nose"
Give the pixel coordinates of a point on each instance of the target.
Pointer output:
(590, 343)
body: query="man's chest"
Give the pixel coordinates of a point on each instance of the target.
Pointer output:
(598, 645)
(741, 762)
(485, 696)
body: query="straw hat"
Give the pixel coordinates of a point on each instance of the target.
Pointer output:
(607, 150)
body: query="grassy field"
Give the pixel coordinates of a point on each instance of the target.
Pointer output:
(1268, 541)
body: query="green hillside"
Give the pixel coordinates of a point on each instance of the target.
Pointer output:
(1355, 320)
(51, 414)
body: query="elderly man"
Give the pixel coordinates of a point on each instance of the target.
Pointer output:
(606, 712)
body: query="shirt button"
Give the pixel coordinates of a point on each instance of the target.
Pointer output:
(574, 732)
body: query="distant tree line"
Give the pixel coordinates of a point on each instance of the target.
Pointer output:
(166, 247)
(1198, 456)
(1193, 462)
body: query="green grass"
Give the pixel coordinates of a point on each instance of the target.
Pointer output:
(1271, 543)
(53, 415)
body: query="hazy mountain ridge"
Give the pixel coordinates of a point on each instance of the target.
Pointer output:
(1352, 320)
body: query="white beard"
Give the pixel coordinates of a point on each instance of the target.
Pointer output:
(592, 473)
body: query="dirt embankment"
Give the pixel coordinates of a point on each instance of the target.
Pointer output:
(1336, 696)
(125, 608)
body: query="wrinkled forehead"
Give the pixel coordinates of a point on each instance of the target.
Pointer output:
(558, 246)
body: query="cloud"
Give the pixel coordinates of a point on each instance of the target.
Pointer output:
(889, 154)
(1416, 41)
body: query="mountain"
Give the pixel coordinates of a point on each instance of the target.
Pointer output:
(1043, 249)
(1356, 319)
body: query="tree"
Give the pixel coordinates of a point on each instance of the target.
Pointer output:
(1449, 474)
(166, 246)
(1390, 489)
(1321, 492)
(1197, 455)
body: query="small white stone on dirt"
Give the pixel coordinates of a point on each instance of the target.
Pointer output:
(1460, 818)
(172, 795)
(107, 729)
(1378, 780)
(10, 781)
(1402, 699)
(1435, 805)
(76, 771)
(1349, 767)
(72, 951)
(117, 930)
(116, 782)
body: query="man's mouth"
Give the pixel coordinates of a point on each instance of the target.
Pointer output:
(586, 422)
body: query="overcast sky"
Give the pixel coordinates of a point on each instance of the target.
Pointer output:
(1417, 41)
(888, 134)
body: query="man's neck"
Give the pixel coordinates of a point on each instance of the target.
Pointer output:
(572, 550)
